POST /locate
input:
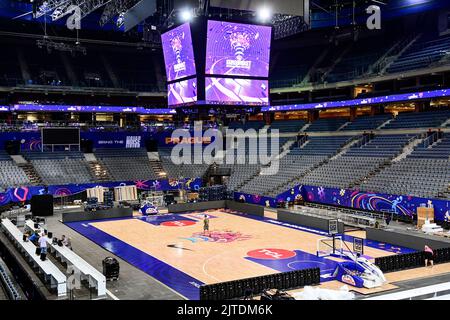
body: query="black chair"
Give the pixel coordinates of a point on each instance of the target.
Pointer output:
(294, 279)
(204, 292)
(239, 288)
(278, 281)
(401, 262)
(270, 281)
(317, 276)
(213, 293)
(301, 278)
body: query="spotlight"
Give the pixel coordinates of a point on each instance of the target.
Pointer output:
(186, 15)
(264, 14)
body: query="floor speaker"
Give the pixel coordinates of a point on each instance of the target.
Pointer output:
(42, 205)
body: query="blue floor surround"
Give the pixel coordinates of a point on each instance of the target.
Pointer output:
(188, 286)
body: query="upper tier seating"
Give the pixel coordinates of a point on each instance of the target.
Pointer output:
(290, 69)
(326, 124)
(367, 122)
(358, 60)
(126, 164)
(247, 125)
(56, 168)
(288, 125)
(421, 54)
(418, 120)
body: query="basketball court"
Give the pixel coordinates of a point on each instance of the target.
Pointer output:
(174, 249)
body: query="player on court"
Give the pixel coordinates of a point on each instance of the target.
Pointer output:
(205, 224)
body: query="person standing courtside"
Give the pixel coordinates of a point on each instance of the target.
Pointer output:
(205, 224)
(43, 245)
(429, 256)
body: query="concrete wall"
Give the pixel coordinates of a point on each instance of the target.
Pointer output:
(97, 215)
(305, 220)
(413, 240)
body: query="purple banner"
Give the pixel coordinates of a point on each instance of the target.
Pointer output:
(182, 92)
(236, 91)
(362, 102)
(255, 199)
(237, 49)
(403, 205)
(178, 53)
(69, 108)
(400, 205)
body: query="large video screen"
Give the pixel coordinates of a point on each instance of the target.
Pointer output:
(237, 49)
(61, 136)
(178, 52)
(236, 91)
(182, 92)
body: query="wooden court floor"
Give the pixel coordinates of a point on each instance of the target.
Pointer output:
(221, 255)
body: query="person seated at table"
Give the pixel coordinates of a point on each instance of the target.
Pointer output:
(34, 237)
(63, 239)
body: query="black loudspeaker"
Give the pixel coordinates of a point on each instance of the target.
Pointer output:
(86, 145)
(12, 147)
(42, 205)
(151, 145)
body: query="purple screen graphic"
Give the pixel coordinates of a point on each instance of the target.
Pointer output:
(237, 91)
(237, 49)
(178, 52)
(182, 92)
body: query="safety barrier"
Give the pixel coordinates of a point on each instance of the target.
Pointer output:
(411, 260)
(253, 286)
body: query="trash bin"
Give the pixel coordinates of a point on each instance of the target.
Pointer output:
(111, 268)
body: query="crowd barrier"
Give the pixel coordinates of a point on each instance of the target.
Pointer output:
(408, 239)
(207, 205)
(184, 207)
(411, 260)
(253, 286)
(97, 215)
(320, 223)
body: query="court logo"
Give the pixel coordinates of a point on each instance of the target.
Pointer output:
(217, 236)
(178, 223)
(271, 254)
